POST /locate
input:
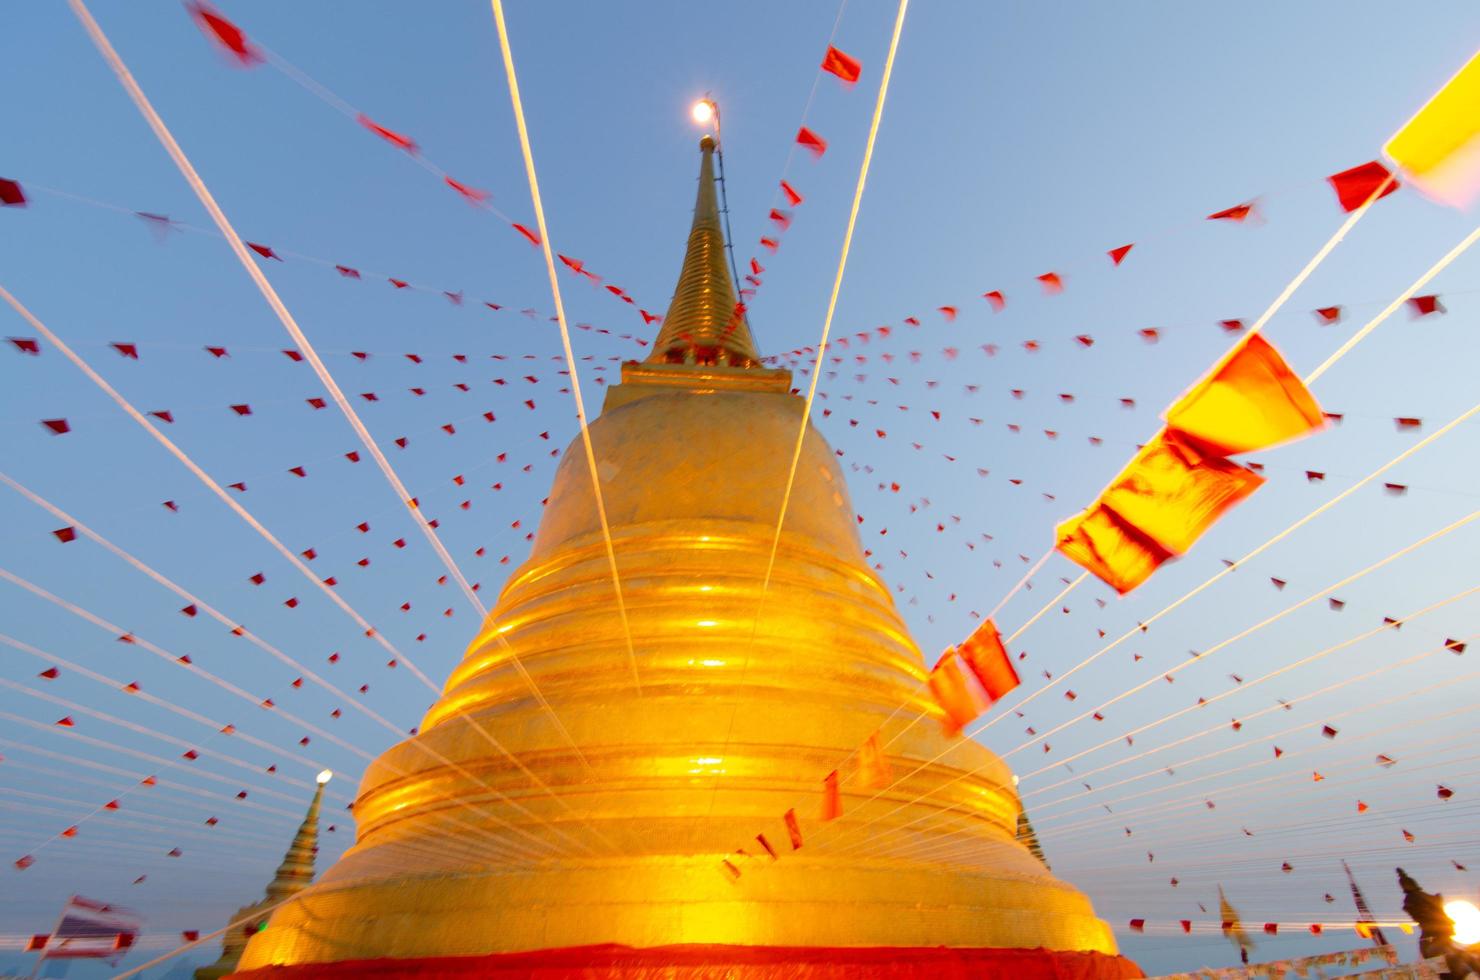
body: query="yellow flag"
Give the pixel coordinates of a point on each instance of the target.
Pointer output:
(1252, 401)
(1439, 148)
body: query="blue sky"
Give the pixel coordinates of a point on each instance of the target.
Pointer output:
(1018, 139)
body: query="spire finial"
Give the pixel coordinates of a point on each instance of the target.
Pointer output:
(705, 324)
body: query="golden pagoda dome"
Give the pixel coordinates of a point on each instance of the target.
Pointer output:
(489, 841)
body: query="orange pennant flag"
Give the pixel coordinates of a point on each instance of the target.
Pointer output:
(832, 800)
(1251, 401)
(959, 698)
(1158, 506)
(873, 765)
(986, 657)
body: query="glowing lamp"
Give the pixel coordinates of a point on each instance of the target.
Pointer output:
(325, 776)
(703, 111)
(1466, 919)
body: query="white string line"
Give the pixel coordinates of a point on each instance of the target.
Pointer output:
(1167, 809)
(118, 632)
(143, 695)
(256, 525)
(1346, 348)
(570, 360)
(1158, 810)
(1392, 307)
(284, 658)
(832, 302)
(208, 201)
(1365, 330)
(868, 153)
(1473, 515)
(1313, 597)
(1260, 804)
(211, 484)
(1080, 777)
(1299, 280)
(1038, 810)
(1404, 726)
(166, 655)
(1246, 685)
(116, 771)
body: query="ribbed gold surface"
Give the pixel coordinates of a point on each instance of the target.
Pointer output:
(737, 721)
(702, 325)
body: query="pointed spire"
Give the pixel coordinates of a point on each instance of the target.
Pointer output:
(296, 871)
(292, 876)
(704, 324)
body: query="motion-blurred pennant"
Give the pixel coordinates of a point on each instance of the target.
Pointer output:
(844, 66)
(389, 135)
(1355, 187)
(224, 33)
(1252, 401)
(811, 142)
(1439, 148)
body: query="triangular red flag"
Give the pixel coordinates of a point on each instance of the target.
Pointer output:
(389, 135)
(811, 141)
(1356, 186)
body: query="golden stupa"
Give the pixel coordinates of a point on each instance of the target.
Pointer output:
(461, 854)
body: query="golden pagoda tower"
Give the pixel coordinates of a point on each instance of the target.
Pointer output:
(292, 876)
(466, 866)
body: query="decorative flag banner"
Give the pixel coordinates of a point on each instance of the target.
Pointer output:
(986, 657)
(1251, 401)
(837, 63)
(1155, 509)
(92, 930)
(1439, 148)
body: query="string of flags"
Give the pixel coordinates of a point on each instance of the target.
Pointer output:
(162, 225)
(960, 695)
(233, 41)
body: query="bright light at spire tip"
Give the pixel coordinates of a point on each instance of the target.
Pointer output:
(703, 111)
(325, 776)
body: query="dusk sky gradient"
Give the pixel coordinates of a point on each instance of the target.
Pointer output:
(1017, 139)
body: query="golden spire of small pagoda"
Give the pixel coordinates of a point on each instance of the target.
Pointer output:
(705, 324)
(292, 876)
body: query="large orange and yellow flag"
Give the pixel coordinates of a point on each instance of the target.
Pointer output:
(1154, 510)
(1439, 148)
(1251, 401)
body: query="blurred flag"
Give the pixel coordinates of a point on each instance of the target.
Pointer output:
(1251, 401)
(92, 930)
(1439, 148)
(1158, 506)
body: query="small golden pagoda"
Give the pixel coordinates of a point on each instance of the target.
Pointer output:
(292, 876)
(609, 857)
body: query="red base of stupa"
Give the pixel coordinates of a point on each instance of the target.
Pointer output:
(709, 962)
